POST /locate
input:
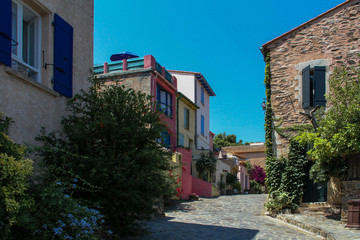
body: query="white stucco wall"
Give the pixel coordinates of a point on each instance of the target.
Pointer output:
(204, 110)
(185, 84)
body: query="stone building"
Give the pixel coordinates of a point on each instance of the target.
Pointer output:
(302, 61)
(46, 54)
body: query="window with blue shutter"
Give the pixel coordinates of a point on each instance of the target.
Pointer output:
(63, 56)
(314, 86)
(306, 87)
(319, 86)
(5, 32)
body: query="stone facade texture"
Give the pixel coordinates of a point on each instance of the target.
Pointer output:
(330, 40)
(351, 190)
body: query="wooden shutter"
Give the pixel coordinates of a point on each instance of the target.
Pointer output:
(5, 32)
(63, 56)
(319, 86)
(306, 91)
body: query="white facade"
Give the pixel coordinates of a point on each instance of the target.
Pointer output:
(192, 84)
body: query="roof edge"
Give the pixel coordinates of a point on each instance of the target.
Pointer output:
(264, 46)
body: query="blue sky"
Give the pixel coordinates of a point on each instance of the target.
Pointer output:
(220, 39)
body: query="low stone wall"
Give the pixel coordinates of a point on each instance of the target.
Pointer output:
(350, 190)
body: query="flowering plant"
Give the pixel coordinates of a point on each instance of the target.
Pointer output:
(257, 174)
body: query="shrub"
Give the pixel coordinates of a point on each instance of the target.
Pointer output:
(15, 170)
(109, 143)
(255, 187)
(231, 179)
(206, 164)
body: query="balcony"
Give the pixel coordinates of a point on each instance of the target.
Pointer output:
(133, 64)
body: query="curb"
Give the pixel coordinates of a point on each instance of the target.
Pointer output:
(307, 227)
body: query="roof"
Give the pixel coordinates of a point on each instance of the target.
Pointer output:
(187, 100)
(245, 149)
(201, 79)
(332, 10)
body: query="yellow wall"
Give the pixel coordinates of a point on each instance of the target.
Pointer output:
(188, 133)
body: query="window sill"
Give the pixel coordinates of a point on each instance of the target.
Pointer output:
(30, 81)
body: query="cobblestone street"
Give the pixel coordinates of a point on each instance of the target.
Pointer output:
(226, 217)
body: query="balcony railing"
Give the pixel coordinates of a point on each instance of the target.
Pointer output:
(134, 63)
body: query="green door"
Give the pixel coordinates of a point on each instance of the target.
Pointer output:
(314, 192)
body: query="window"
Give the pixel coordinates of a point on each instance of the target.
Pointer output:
(202, 95)
(313, 86)
(202, 125)
(25, 45)
(165, 139)
(181, 140)
(186, 118)
(165, 101)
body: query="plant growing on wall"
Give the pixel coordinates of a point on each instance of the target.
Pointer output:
(339, 129)
(109, 142)
(257, 174)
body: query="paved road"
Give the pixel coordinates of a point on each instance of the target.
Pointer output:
(226, 217)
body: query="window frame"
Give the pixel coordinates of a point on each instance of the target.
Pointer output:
(167, 108)
(17, 58)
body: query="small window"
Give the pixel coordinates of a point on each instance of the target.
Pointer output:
(202, 95)
(186, 118)
(165, 139)
(181, 140)
(313, 86)
(202, 125)
(25, 34)
(165, 101)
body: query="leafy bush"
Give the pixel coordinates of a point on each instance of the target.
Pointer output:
(255, 187)
(231, 179)
(205, 164)
(15, 170)
(108, 142)
(56, 215)
(237, 186)
(279, 200)
(339, 128)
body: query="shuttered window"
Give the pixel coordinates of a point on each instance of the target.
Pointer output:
(5, 32)
(63, 56)
(313, 86)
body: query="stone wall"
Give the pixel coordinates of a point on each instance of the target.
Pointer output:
(350, 190)
(330, 40)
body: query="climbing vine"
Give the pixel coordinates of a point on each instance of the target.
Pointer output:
(287, 178)
(268, 112)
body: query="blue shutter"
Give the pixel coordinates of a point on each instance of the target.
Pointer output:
(319, 86)
(63, 56)
(5, 32)
(306, 91)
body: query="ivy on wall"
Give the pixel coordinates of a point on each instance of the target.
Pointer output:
(268, 113)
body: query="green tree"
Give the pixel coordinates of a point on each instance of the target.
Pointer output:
(109, 144)
(223, 140)
(338, 134)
